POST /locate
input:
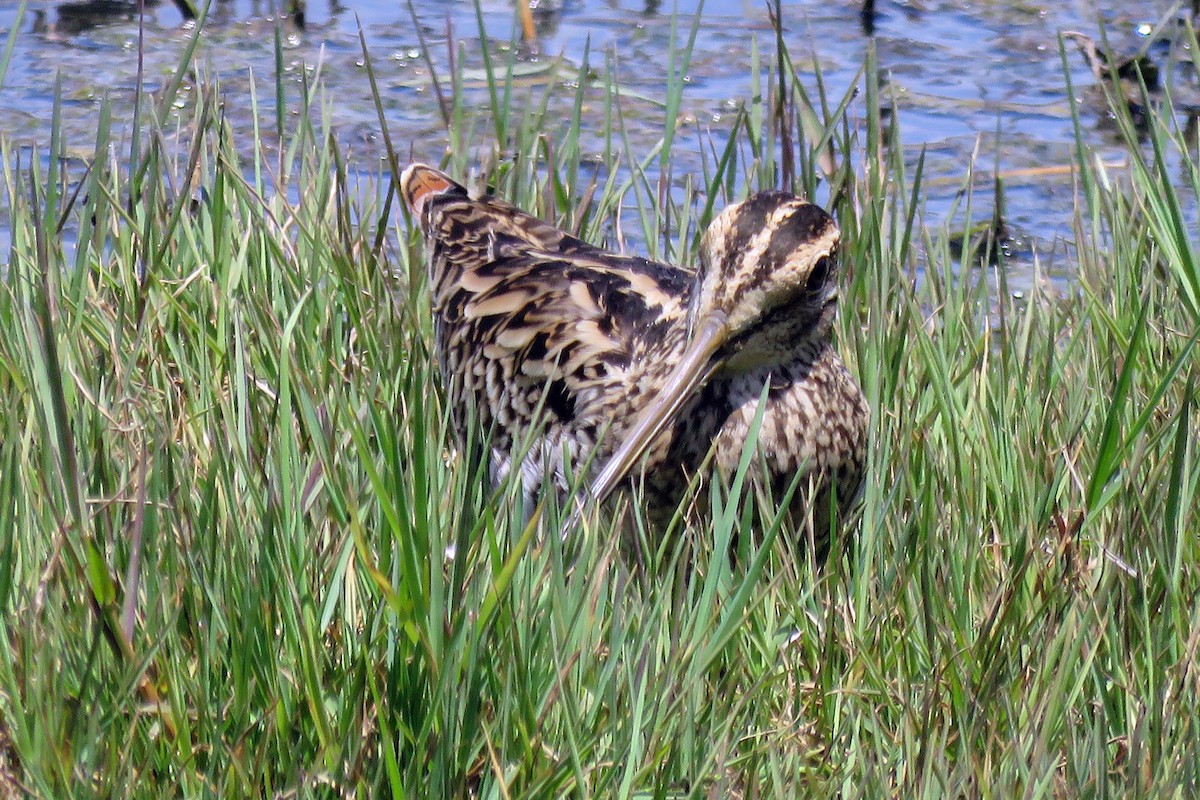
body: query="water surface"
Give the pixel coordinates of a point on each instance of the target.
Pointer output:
(975, 80)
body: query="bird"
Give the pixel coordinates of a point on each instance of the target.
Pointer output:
(573, 358)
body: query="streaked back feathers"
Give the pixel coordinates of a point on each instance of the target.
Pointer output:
(635, 362)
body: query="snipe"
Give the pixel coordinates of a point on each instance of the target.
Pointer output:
(640, 366)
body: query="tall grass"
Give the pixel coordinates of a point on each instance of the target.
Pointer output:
(227, 493)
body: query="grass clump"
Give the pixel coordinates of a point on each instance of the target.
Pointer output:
(227, 490)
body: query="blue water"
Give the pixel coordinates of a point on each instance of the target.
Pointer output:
(975, 79)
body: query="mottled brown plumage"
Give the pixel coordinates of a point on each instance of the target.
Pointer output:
(639, 366)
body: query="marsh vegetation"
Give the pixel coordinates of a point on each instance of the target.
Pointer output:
(228, 487)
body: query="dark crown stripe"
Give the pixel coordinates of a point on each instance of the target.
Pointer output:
(752, 216)
(807, 223)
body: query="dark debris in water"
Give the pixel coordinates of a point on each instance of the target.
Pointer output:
(987, 243)
(1107, 66)
(1138, 78)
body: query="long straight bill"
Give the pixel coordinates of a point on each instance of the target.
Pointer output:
(695, 367)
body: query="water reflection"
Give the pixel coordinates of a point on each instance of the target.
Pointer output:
(72, 19)
(976, 83)
(867, 17)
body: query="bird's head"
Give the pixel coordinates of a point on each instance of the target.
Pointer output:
(767, 281)
(766, 290)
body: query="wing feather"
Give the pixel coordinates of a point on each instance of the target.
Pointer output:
(527, 315)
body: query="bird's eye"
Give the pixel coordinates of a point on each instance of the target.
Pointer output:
(818, 276)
